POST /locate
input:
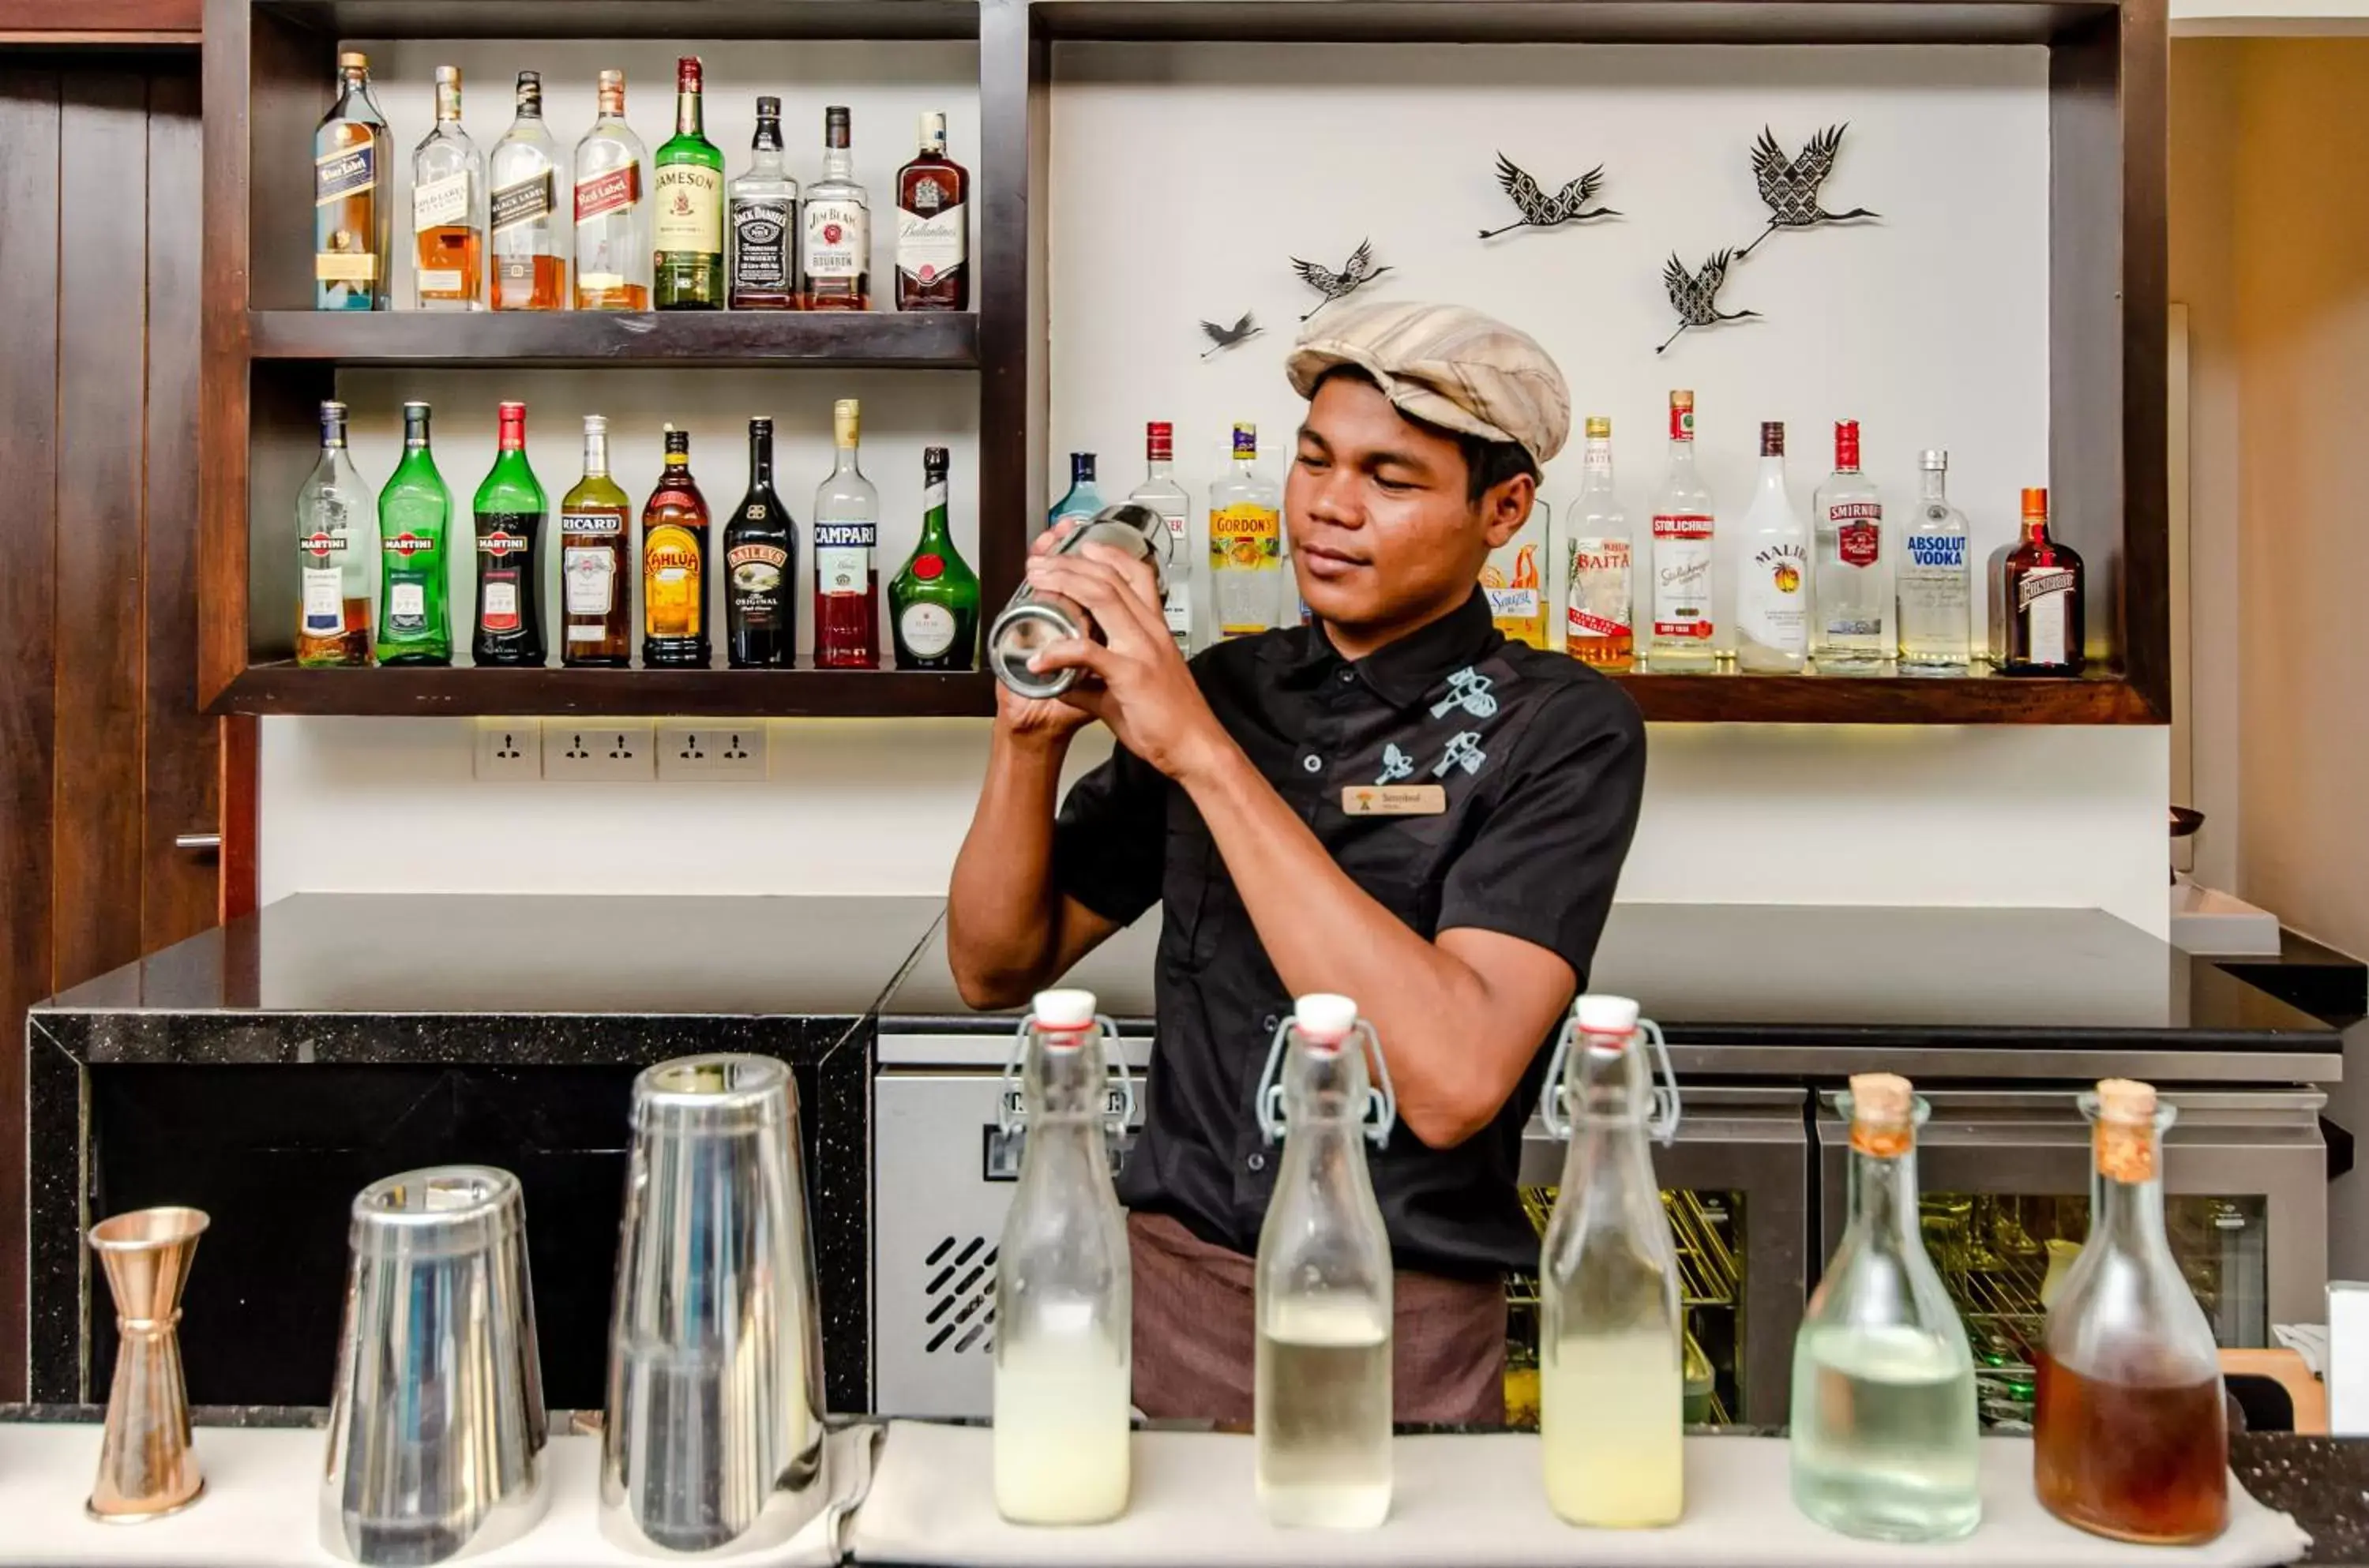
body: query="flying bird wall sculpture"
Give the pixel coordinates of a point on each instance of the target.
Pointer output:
(1540, 210)
(1353, 275)
(1695, 295)
(1227, 336)
(1790, 186)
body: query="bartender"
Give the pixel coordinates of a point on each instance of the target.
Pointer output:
(1392, 802)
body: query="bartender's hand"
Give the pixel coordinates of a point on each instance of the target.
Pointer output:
(1039, 720)
(1136, 682)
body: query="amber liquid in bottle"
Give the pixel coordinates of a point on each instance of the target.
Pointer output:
(2122, 1459)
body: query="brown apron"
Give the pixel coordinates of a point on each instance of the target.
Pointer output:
(1195, 1335)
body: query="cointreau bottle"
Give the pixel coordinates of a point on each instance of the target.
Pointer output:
(674, 565)
(594, 579)
(353, 196)
(761, 554)
(2036, 600)
(511, 510)
(932, 226)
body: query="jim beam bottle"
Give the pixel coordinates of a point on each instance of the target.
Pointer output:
(2036, 594)
(835, 239)
(761, 552)
(352, 198)
(595, 576)
(674, 566)
(510, 511)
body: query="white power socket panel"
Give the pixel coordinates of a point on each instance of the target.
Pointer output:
(710, 754)
(508, 751)
(598, 752)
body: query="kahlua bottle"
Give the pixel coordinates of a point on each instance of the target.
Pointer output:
(2130, 1439)
(1323, 1388)
(1612, 1335)
(1884, 1436)
(1063, 1336)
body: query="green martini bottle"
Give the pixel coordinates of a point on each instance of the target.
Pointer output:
(934, 603)
(688, 231)
(415, 621)
(510, 513)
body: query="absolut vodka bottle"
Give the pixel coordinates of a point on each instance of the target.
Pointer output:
(1936, 579)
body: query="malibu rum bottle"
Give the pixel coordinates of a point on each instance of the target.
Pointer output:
(612, 220)
(415, 623)
(595, 605)
(934, 603)
(529, 239)
(761, 554)
(510, 509)
(690, 192)
(448, 207)
(333, 558)
(352, 198)
(674, 565)
(846, 569)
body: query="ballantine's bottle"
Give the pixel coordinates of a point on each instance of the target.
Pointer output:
(1063, 1334)
(1323, 1283)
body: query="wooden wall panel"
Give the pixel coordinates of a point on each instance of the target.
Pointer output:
(28, 284)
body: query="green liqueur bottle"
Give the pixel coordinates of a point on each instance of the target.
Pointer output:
(414, 622)
(934, 603)
(510, 509)
(689, 230)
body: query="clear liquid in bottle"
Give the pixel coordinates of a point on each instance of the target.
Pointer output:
(1324, 1414)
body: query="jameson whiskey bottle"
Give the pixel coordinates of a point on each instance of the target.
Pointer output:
(593, 572)
(333, 558)
(689, 219)
(511, 510)
(674, 565)
(934, 603)
(415, 625)
(352, 198)
(761, 552)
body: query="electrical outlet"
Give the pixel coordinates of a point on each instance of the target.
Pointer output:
(699, 753)
(508, 751)
(591, 751)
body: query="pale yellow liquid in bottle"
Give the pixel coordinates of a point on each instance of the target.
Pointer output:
(1323, 1413)
(1610, 1418)
(1061, 1433)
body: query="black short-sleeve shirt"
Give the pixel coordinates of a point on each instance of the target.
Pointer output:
(1542, 762)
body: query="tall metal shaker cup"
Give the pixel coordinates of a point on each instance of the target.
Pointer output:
(714, 1438)
(1034, 621)
(436, 1424)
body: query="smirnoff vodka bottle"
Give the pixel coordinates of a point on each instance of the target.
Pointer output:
(1854, 579)
(1685, 534)
(1772, 602)
(1936, 579)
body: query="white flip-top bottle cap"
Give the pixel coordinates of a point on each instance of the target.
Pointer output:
(1600, 1014)
(1324, 1016)
(1063, 1009)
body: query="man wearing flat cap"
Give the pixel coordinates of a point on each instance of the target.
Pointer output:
(1392, 802)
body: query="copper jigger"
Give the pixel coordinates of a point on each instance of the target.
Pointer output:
(146, 1468)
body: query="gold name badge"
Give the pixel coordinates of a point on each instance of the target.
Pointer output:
(1394, 800)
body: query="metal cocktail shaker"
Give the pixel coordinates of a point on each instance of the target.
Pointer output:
(436, 1424)
(145, 1468)
(713, 1437)
(1032, 621)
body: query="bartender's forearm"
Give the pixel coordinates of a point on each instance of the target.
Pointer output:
(1009, 930)
(1457, 1039)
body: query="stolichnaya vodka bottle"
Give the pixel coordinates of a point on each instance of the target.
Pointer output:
(1772, 602)
(1321, 1411)
(1685, 540)
(1063, 1343)
(1612, 1335)
(1884, 1438)
(1936, 579)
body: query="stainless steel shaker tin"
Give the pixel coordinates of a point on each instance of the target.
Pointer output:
(437, 1424)
(1032, 622)
(713, 1437)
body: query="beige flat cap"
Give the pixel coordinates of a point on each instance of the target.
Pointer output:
(1447, 365)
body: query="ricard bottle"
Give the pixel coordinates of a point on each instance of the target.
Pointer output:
(1322, 1410)
(1247, 584)
(1599, 627)
(1852, 628)
(2130, 1438)
(595, 573)
(1772, 602)
(334, 556)
(1685, 537)
(1612, 1334)
(1063, 1284)
(1884, 1436)
(1936, 578)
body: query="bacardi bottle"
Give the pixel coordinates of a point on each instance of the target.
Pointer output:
(1162, 492)
(2036, 600)
(333, 555)
(835, 241)
(932, 226)
(448, 207)
(674, 565)
(760, 555)
(511, 510)
(689, 223)
(1935, 578)
(1598, 582)
(414, 622)
(1854, 582)
(764, 222)
(846, 544)
(595, 577)
(1247, 585)
(612, 220)
(933, 602)
(353, 196)
(1773, 619)
(1684, 536)
(530, 238)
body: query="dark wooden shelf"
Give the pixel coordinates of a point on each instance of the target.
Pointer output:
(632, 18)
(1569, 21)
(823, 340)
(1730, 698)
(607, 693)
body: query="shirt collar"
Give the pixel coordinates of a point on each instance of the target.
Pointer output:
(1402, 671)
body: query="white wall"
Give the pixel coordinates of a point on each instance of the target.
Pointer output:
(1183, 177)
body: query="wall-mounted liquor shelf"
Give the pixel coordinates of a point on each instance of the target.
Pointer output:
(269, 71)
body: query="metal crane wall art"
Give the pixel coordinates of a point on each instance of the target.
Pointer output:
(1540, 210)
(1227, 336)
(1695, 295)
(1789, 187)
(1353, 275)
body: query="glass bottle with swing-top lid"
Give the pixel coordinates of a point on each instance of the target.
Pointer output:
(1321, 1414)
(1063, 1329)
(1612, 1334)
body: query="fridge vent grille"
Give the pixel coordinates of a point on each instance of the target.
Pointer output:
(961, 1293)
